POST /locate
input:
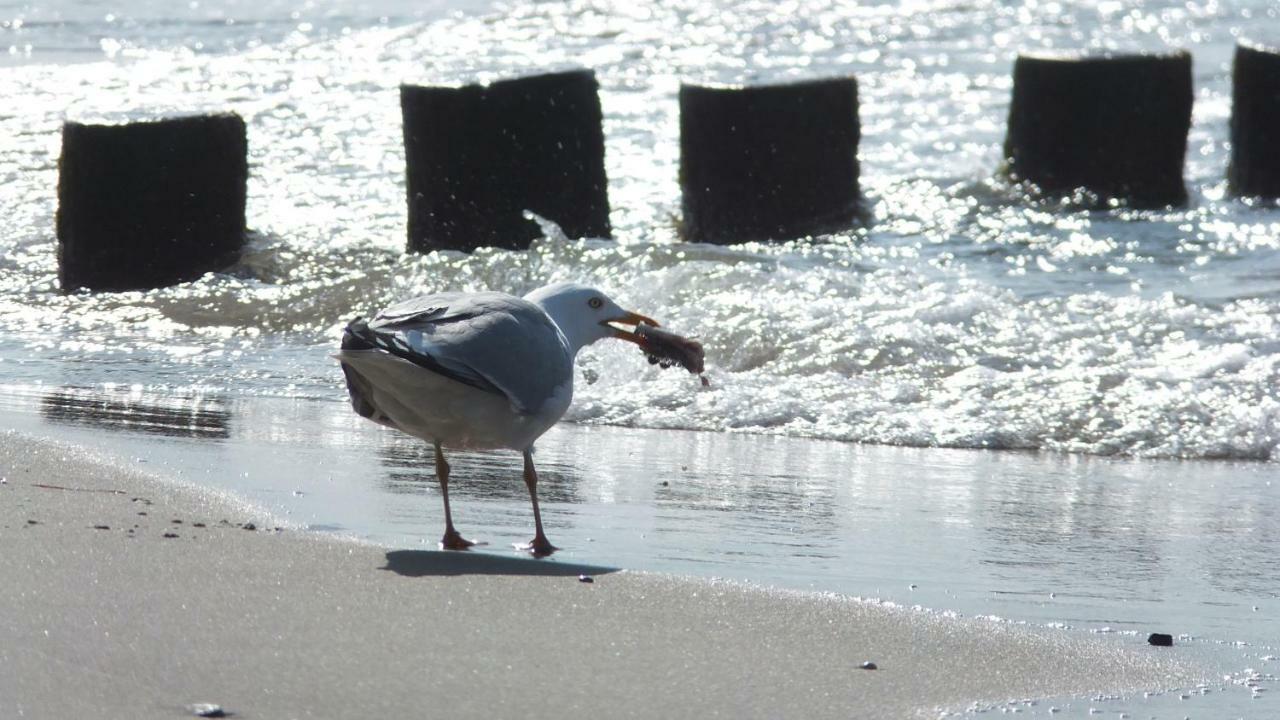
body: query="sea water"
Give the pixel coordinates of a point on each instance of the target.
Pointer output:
(960, 318)
(1093, 370)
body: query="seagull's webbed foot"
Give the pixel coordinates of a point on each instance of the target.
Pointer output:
(538, 547)
(452, 540)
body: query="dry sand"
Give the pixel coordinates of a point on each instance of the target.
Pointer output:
(124, 595)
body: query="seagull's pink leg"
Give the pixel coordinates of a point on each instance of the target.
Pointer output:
(451, 540)
(539, 546)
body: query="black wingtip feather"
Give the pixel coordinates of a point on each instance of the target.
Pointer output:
(357, 336)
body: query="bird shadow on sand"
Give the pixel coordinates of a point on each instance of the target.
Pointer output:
(423, 563)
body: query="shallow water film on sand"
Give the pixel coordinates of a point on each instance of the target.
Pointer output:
(962, 317)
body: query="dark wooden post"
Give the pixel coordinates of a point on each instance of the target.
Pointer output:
(1255, 122)
(1114, 126)
(149, 204)
(770, 162)
(477, 157)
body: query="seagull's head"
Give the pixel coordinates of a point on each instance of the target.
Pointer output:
(585, 315)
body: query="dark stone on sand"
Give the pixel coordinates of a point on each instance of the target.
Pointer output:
(33, 522)
(769, 162)
(1255, 122)
(101, 527)
(1160, 639)
(149, 204)
(586, 579)
(478, 156)
(249, 526)
(1113, 126)
(869, 666)
(171, 535)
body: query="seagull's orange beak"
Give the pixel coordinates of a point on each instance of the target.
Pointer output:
(632, 319)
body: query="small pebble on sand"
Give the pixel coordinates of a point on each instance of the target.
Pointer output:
(869, 666)
(207, 710)
(586, 579)
(171, 535)
(1160, 639)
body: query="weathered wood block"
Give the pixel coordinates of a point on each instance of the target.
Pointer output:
(1115, 126)
(477, 157)
(1255, 122)
(148, 204)
(769, 162)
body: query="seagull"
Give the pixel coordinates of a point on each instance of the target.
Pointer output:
(483, 370)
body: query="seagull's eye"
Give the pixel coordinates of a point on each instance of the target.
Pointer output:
(595, 303)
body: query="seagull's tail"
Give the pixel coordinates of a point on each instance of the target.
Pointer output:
(354, 338)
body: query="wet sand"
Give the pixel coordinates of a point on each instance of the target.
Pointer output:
(126, 595)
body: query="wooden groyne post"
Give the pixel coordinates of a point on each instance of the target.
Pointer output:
(148, 204)
(1114, 126)
(1255, 122)
(769, 162)
(478, 156)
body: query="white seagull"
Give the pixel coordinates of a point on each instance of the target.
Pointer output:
(480, 370)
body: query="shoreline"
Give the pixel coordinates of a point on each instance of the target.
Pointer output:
(103, 613)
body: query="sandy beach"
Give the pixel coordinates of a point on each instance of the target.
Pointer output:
(127, 595)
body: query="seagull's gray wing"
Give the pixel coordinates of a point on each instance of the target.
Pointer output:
(492, 341)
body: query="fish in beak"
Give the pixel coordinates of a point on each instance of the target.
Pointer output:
(660, 346)
(634, 320)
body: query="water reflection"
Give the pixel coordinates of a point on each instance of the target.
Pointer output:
(131, 411)
(497, 475)
(1242, 540)
(1074, 523)
(1202, 539)
(702, 499)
